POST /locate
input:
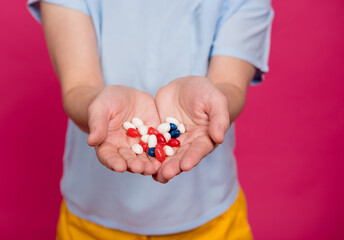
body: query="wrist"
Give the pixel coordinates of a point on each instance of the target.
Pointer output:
(236, 98)
(76, 102)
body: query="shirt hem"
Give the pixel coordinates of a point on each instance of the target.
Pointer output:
(227, 51)
(34, 7)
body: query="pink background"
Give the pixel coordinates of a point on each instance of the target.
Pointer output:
(290, 136)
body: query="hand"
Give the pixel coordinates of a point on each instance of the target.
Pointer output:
(203, 109)
(111, 108)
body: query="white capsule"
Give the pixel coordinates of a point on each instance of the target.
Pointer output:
(145, 138)
(181, 128)
(127, 125)
(137, 148)
(168, 151)
(172, 120)
(167, 136)
(164, 127)
(143, 130)
(152, 141)
(137, 122)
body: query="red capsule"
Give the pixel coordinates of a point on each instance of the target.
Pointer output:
(133, 133)
(173, 142)
(144, 146)
(159, 153)
(162, 144)
(160, 138)
(152, 131)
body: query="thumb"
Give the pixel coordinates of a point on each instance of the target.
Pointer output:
(98, 121)
(218, 116)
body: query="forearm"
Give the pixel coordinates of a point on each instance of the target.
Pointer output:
(73, 49)
(232, 77)
(76, 102)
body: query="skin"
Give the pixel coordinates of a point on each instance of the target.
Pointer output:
(206, 105)
(111, 108)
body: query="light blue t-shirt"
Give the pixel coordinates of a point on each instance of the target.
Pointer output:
(145, 44)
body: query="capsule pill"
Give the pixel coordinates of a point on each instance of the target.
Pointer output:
(181, 128)
(127, 125)
(152, 141)
(159, 153)
(137, 148)
(167, 136)
(175, 133)
(143, 130)
(151, 152)
(172, 120)
(173, 142)
(133, 133)
(152, 131)
(164, 127)
(173, 127)
(144, 146)
(168, 151)
(137, 122)
(160, 138)
(145, 138)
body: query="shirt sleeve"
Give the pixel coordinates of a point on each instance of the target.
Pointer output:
(34, 6)
(245, 34)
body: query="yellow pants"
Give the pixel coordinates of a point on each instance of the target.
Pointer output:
(230, 225)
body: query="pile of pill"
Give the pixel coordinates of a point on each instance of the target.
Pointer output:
(158, 142)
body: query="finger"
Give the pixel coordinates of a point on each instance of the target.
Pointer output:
(135, 165)
(146, 109)
(171, 167)
(153, 120)
(148, 165)
(219, 117)
(155, 162)
(110, 158)
(154, 176)
(199, 148)
(98, 121)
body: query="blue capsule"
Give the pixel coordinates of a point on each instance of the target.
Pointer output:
(173, 127)
(175, 133)
(151, 152)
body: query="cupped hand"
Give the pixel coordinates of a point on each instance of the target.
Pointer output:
(112, 107)
(203, 109)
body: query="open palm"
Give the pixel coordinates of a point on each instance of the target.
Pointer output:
(114, 106)
(203, 109)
